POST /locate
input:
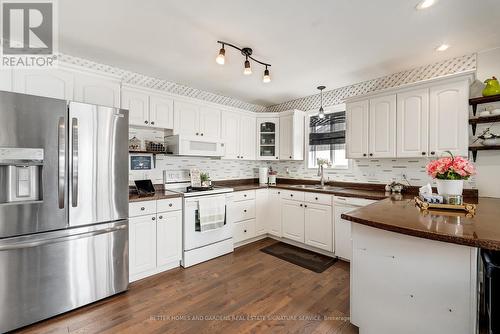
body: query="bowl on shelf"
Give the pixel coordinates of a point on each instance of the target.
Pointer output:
(491, 142)
(484, 113)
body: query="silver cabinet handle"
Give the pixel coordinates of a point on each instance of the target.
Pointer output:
(74, 162)
(46, 241)
(61, 165)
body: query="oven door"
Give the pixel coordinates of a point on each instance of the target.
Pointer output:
(193, 238)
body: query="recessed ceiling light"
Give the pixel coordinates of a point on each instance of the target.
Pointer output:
(442, 47)
(425, 4)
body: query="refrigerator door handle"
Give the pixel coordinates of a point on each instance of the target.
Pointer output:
(74, 162)
(51, 240)
(61, 143)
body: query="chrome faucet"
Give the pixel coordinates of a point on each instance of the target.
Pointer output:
(321, 173)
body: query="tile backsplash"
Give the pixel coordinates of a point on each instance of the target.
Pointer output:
(364, 171)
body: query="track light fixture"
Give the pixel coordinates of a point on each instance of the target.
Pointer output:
(247, 52)
(321, 113)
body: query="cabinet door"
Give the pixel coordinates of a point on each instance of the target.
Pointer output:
(137, 103)
(342, 233)
(247, 138)
(243, 230)
(413, 123)
(262, 207)
(449, 113)
(186, 118)
(161, 112)
(318, 226)
(142, 244)
(53, 83)
(210, 123)
(357, 129)
(230, 134)
(169, 238)
(274, 213)
(98, 90)
(292, 214)
(286, 138)
(268, 138)
(382, 130)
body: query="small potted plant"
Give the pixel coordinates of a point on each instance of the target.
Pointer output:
(205, 180)
(450, 173)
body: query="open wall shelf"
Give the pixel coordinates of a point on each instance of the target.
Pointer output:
(481, 120)
(475, 149)
(474, 102)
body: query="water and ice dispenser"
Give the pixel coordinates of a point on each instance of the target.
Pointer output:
(20, 174)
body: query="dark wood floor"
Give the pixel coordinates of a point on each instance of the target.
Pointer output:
(244, 292)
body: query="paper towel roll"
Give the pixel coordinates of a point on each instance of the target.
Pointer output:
(263, 171)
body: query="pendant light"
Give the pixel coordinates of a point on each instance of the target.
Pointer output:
(221, 58)
(266, 78)
(248, 69)
(321, 113)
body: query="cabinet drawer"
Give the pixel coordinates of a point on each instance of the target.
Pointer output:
(243, 195)
(318, 198)
(172, 204)
(292, 195)
(242, 210)
(243, 230)
(141, 208)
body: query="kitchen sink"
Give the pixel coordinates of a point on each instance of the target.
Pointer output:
(313, 186)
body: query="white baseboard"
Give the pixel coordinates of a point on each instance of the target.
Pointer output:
(144, 274)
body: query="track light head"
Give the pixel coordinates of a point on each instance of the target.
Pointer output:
(266, 78)
(221, 58)
(248, 69)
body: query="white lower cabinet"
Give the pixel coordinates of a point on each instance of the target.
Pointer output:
(292, 215)
(241, 214)
(155, 238)
(343, 246)
(261, 209)
(168, 238)
(318, 226)
(142, 244)
(426, 283)
(272, 216)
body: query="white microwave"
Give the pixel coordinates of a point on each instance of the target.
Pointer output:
(194, 146)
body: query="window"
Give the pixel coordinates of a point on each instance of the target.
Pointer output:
(327, 139)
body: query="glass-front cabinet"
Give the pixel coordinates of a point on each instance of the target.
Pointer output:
(268, 138)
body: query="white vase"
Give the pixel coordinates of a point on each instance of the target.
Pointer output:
(450, 187)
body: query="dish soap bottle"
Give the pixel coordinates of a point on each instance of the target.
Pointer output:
(492, 87)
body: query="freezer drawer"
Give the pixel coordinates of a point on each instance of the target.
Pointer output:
(50, 273)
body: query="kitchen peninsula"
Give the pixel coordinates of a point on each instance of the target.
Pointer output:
(422, 266)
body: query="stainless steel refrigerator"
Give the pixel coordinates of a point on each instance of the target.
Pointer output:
(63, 206)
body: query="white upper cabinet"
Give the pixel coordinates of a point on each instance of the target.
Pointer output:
(382, 129)
(194, 120)
(148, 109)
(247, 137)
(186, 118)
(230, 134)
(449, 114)
(96, 89)
(137, 103)
(413, 123)
(268, 137)
(6, 79)
(210, 122)
(291, 143)
(55, 83)
(357, 129)
(238, 135)
(161, 111)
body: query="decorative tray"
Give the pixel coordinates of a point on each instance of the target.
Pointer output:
(470, 208)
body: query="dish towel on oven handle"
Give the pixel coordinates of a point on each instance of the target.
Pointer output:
(212, 212)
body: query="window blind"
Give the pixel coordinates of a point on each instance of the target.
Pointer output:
(328, 132)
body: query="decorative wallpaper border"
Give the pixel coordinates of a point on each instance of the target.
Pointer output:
(336, 96)
(331, 97)
(160, 84)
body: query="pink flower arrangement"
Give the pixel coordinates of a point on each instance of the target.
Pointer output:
(451, 168)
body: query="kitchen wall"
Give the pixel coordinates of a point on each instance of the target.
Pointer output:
(488, 162)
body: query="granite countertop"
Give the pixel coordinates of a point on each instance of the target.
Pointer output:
(160, 194)
(338, 191)
(482, 230)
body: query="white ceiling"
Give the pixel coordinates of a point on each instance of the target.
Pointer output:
(330, 42)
